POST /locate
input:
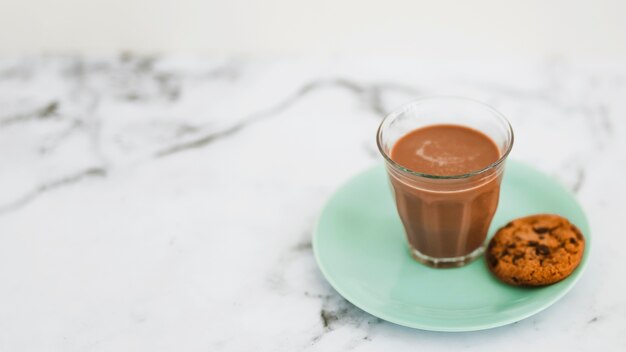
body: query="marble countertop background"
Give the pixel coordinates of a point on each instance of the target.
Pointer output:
(167, 203)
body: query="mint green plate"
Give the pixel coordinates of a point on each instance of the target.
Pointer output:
(360, 248)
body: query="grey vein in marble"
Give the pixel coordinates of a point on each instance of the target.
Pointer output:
(46, 111)
(371, 94)
(52, 185)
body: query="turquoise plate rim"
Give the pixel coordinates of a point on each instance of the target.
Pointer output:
(569, 282)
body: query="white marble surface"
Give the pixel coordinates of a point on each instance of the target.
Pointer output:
(166, 204)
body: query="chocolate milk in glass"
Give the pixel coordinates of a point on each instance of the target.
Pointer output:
(445, 158)
(440, 221)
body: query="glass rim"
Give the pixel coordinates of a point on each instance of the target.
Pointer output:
(401, 109)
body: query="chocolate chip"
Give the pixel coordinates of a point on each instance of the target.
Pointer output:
(518, 257)
(511, 245)
(533, 243)
(573, 241)
(493, 261)
(516, 280)
(541, 229)
(542, 250)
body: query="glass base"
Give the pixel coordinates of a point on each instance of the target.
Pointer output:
(453, 262)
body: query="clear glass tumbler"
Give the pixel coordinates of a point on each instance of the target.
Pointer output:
(446, 218)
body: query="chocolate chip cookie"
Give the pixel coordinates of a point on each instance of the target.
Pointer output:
(536, 250)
